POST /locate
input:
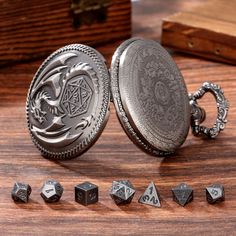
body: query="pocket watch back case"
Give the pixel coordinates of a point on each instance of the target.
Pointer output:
(68, 100)
(150, 96)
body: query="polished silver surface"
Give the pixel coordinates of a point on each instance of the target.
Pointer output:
(198, 113)
(68, 102)
(150, 96)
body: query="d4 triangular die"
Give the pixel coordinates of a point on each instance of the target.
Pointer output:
(151, 196)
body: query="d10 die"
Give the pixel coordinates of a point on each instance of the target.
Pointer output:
(122, 192)
(86, 193)
(51, 191)
(21, 192)
(182, 194)
(215, 193)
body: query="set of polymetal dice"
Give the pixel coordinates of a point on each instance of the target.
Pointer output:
(122, 192)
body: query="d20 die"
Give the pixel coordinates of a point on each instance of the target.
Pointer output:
(215, 193)
(86, 193)
(51, 191)
(151, 196)
(122, 192)
(182, 194)
(21, 192)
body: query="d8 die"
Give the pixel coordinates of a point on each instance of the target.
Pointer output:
(21, 192)
(182, 194)
(51, 191)
(86, 193)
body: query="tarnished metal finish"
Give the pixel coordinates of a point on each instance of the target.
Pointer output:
(182, 194)
(196, 111)
(150, 96)
(86, 193)
(122, 192)
(151, 196)
(51, 191)
(21, 192)
(215, 193)
(68, 101)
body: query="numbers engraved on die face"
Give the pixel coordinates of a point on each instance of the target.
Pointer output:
(21, 194)
(120, 192)
(154, 200)
(151, 190)
(79, 196)
(128, 191)
(146, 198)
(183, 193)
(214, 192)
(49, 190)
(116, 186)
(92, 195)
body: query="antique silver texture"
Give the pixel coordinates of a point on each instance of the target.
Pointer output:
(198, 113)
(21, 192)
(51, 191)
(182, 194)
(122, 192)
(86, 193)
(151, 196)
(150, 96)
(68, 102)
(215, 193)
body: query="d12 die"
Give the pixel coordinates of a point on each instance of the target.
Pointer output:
(215, 193)
(51, 191)
(21, 192)
(122, 192)
(86, 193)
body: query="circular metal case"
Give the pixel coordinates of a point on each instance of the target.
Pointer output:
(68, 102)
(150, 96)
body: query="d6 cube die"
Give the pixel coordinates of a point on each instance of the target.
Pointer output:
(86, 193)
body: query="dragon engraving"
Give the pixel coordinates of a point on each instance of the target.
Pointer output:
(50, 88)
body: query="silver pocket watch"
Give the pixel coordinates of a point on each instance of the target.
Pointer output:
(68, 101)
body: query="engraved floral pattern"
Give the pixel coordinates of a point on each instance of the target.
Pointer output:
(151, 69)
(159, 92)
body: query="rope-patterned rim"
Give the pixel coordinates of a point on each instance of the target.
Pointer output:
(100, 120)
